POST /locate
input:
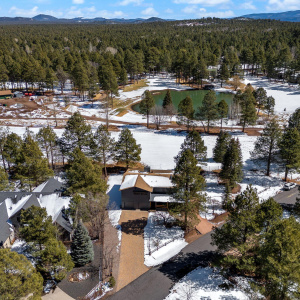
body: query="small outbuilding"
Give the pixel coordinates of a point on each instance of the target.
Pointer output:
(6, 94)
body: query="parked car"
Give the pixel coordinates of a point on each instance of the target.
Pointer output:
(289, 185)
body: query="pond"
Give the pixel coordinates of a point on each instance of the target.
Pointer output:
(196, 95)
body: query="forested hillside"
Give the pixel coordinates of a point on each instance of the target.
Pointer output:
(47, 53)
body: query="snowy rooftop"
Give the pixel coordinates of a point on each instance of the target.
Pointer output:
(161, 198)
(146, 182)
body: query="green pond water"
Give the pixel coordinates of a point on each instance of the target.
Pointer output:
(196, 95)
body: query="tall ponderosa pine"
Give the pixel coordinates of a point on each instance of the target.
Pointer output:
(269, 106)
(290, 150)
(12, 149)
(232, 164)
(221, 146)
(147, 104)
(261, 98)
(77, 134)
(186, 112)
(294, 120)
(47, 139)
(279, 259)
(188, 183)
(194, 142)
(248, 116)
(18, 276)
(127, 150)
(36, 226)
(104, 146)
(222, 111)
(266, 147)
(167, 100)
(82, 250)
(208, 111)
(32, 167)
(54, 259)
(83, 176)
(223, 73)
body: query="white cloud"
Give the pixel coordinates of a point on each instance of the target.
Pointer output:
(72, 12)
(150, 12)
(203, 2)
(248, 5)
(127, 2)
(283, 5)
(202, 13)
(169, 11)
(77, 1)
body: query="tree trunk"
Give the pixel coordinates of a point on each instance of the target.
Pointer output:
(286, 173)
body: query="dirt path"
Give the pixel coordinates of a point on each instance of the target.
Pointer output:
(132, 246)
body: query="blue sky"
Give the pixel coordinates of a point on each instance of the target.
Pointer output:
(167, 9)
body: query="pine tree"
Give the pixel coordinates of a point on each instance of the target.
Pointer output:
(200, 72)
(261, 98)
(297, 204)
(104, 146)
(223, 73)
(221, 146)
(186, 112)
(127, 150)
(269, 106)
(47, 139)
(248, 116)
(266, 147)
(18, 277)
(12, 149)
(83, 176)
(240, 228)
(208, 111)
(279, 259)
(194, 142)
(82, 251)
(147, 104)
(54, 260)
(77, 134)
(222, 111)
(294, 120)
(4, 183)
(188, 183)
(167, 100)
(232, 164)
(32, 167)
(36, 226)
(290, 150)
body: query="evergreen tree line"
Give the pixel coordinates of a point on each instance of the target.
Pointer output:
(257, 242)
(90, 55)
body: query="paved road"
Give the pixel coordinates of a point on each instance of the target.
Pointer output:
(287, 197)
(157, 282)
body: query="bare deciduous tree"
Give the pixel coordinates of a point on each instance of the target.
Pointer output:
(158, 116)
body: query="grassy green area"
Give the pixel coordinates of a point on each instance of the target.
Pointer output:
(137, 85)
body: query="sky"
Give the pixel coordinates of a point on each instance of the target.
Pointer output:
(166, 9)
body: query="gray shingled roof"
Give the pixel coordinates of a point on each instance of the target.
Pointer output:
(52, 186)
(5, 228)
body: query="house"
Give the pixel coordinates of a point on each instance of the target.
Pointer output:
(6, 94)
(46, 195)
(146, 190)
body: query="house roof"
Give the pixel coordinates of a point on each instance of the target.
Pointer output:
(162, 198)
(5, 229)
(50, 186)
(145, 181)
(5, 92)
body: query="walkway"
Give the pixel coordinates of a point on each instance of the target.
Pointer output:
(132, 247)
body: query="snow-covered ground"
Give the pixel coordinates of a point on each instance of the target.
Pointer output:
(114, 205)
(287, 96)
(204, 283)
(161, 243)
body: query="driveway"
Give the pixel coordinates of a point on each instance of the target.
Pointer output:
(132, 246)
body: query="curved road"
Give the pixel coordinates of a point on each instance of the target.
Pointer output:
(157, 282)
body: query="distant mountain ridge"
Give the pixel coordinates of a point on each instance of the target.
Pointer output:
(290, 16)
(50, 19)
